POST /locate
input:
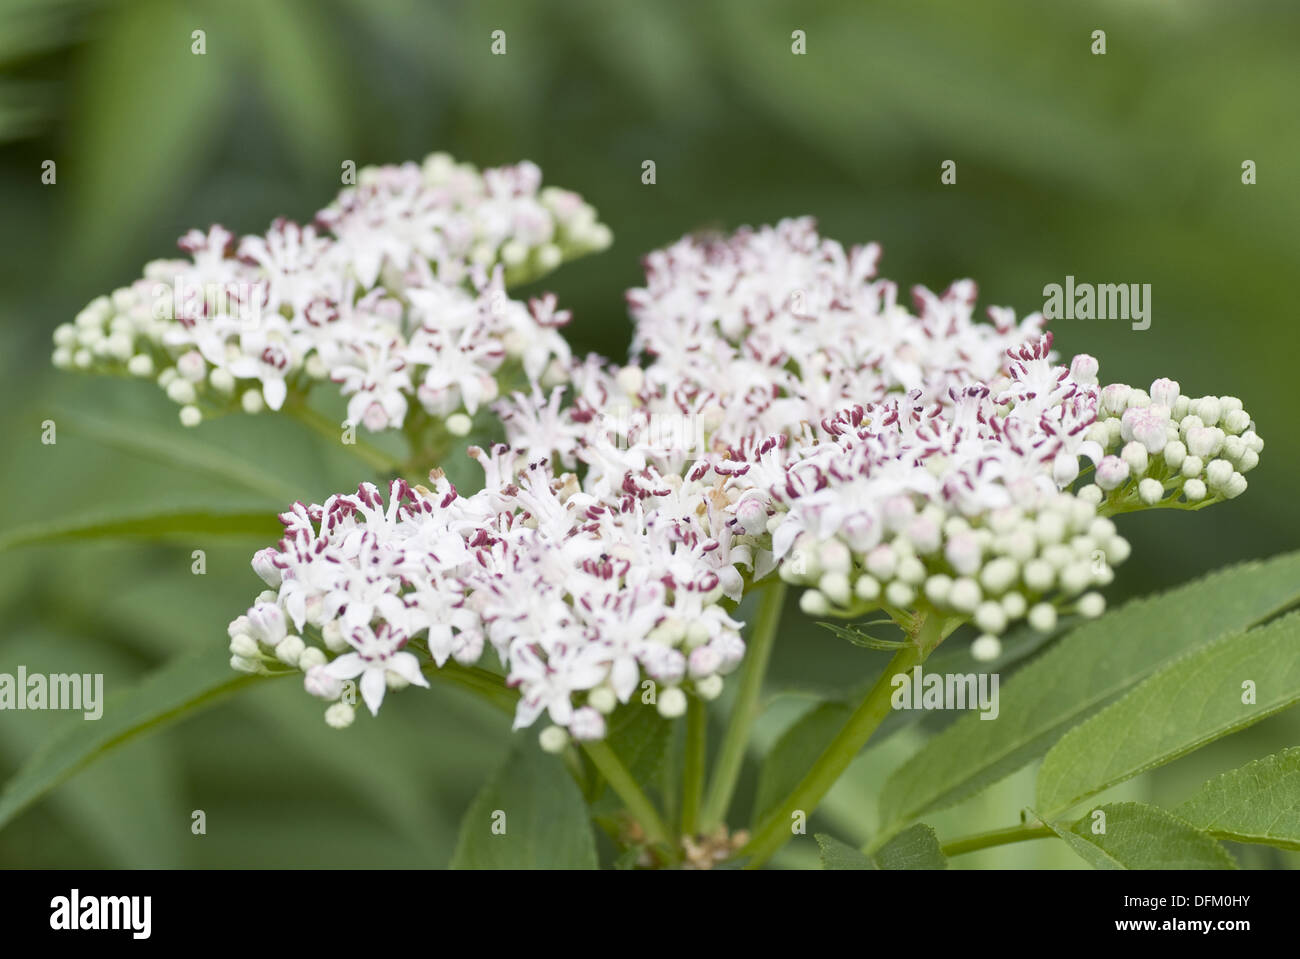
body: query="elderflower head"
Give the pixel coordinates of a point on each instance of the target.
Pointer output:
(396, 293)
(781, 413)
(881, 458)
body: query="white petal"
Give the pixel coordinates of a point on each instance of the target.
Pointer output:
(408, 667)
(372, 689)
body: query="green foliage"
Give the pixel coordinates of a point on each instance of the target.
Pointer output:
(260, 524)
(151, 140)
(1093, 665)
(789, 758)
(914, 848)
(1260, 802)
(529, 815)
(1138, 836)
(179, 689)
(1211, 692)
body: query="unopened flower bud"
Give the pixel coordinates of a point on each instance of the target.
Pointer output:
(340, 716)
(1042, 617)
(1151, 491)
(553, 739)
(986, 648)
(671, 703)
(319, 683)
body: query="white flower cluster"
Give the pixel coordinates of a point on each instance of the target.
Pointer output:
(782, 412)
(577, 596)
(396, 294)
(767, 330)
(1170, 449)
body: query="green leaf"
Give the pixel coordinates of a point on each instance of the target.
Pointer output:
(170, 449)
(916, 847)
(913, 848)
(1082, 672)
(840, 855)
(256, 524)
(1089, 852)
(296, 54)
(1189, 703)
(1139, 836)
(791, 756)
(140, 75)
(1259, 802)
(176, 690)
(640, 737)
(530, 815)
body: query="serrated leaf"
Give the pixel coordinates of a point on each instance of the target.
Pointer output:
(1189, 703)
(840, 855)
(148, 524)
(1093, 665)
(178, 689)
(1139, 836)
(792, 754)
(530, 815)
(1089, 852)
(914, 848)
(1258, 802)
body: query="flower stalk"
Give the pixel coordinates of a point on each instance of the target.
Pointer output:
(731, 755)
(775, 831)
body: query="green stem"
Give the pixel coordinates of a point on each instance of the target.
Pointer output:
(996, 837)
(621, 781)
(775, 831)
(321, 424)
(697, 731)
(745, 709)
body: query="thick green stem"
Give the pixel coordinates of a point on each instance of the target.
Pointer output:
(621, 781)
(776, 830)
(697, 732)
(996, 837)
(745, 709)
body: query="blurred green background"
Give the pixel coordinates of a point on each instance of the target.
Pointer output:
(1117, 168)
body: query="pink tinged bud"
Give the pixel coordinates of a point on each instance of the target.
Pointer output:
(587, 724)
(963, 554)
(1165, 392)
(319, 683)
(666, 665)
(375, 418)
(924, 534)
(1083, 370)
(266, 623)
(898, 511)
(704, 661)
(1112, 473)
(1114, 398)
(752, 516)
(1146, 425)
(862, 531)
(191, 366)
(1204, 441)
(264, 566)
